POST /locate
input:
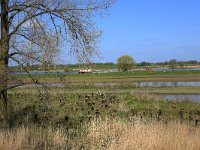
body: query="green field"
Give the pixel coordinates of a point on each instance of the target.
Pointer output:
(78, 91)
(85, 120)
(75, 101)
(115, 82)
(71, 109)
(193, 75)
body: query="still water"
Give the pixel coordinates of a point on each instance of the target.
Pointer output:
(168, 69)
(147, 84)
(111, 70)
(181, 97)
(45, 72)
(166, 84)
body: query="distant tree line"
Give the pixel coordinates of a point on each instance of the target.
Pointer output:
(172, 62)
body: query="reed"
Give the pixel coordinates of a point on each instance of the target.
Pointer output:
(107, 133)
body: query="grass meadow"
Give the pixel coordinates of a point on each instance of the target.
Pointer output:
(83, 116)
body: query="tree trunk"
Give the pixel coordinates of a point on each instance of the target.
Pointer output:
(4, 51)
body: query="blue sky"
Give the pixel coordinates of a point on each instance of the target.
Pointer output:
(151, 30)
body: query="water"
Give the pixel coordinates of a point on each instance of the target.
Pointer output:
(129, 84)
(168, 69)
(166, 84)
(45, 73)
(148, 84)
(181, 97)
(111, 70)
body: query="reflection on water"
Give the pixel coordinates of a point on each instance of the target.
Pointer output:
(110, 70)
(181, 97)
(44, 73)
(168, 69)
(147, 84)
(128, 84)
(163, 84)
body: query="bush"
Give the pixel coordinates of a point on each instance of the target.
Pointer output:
(125, 63)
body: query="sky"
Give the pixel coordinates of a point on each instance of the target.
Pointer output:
(151, 30)
(148, 30)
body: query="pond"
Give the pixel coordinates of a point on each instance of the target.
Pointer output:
(168, 69)
(181, 97)
(45, 72)
(166, 84)
(125, 84)
(147, 84)
(109, 70)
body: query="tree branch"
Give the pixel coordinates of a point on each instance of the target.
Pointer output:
(34, 80)
(24, 21)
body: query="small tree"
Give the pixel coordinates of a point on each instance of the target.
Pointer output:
(173, 63)
(125, 63)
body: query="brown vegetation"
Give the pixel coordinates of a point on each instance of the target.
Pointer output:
(111, 134)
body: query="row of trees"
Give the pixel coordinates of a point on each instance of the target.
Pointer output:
(126, 63)
(173, 63)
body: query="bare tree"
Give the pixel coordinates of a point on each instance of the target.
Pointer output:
(32, 30)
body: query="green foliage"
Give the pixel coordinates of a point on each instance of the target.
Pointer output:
(67, 69)
(173, 63)
(144, 63)
(71, 110)
(125, 63)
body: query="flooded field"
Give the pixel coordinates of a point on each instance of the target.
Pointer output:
(168, 69)
(148, 84)
(167, 84)
(181, 97)
(126, 84)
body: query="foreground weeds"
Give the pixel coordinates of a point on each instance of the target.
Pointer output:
(109, 134)
(31, 138)
(93, 121)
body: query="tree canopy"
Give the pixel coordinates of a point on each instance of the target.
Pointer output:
(125, 63)
(173, 63)
(32, 32)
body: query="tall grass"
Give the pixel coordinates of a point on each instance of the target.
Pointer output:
(140, 136)
(31, 138)
(109, 134)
